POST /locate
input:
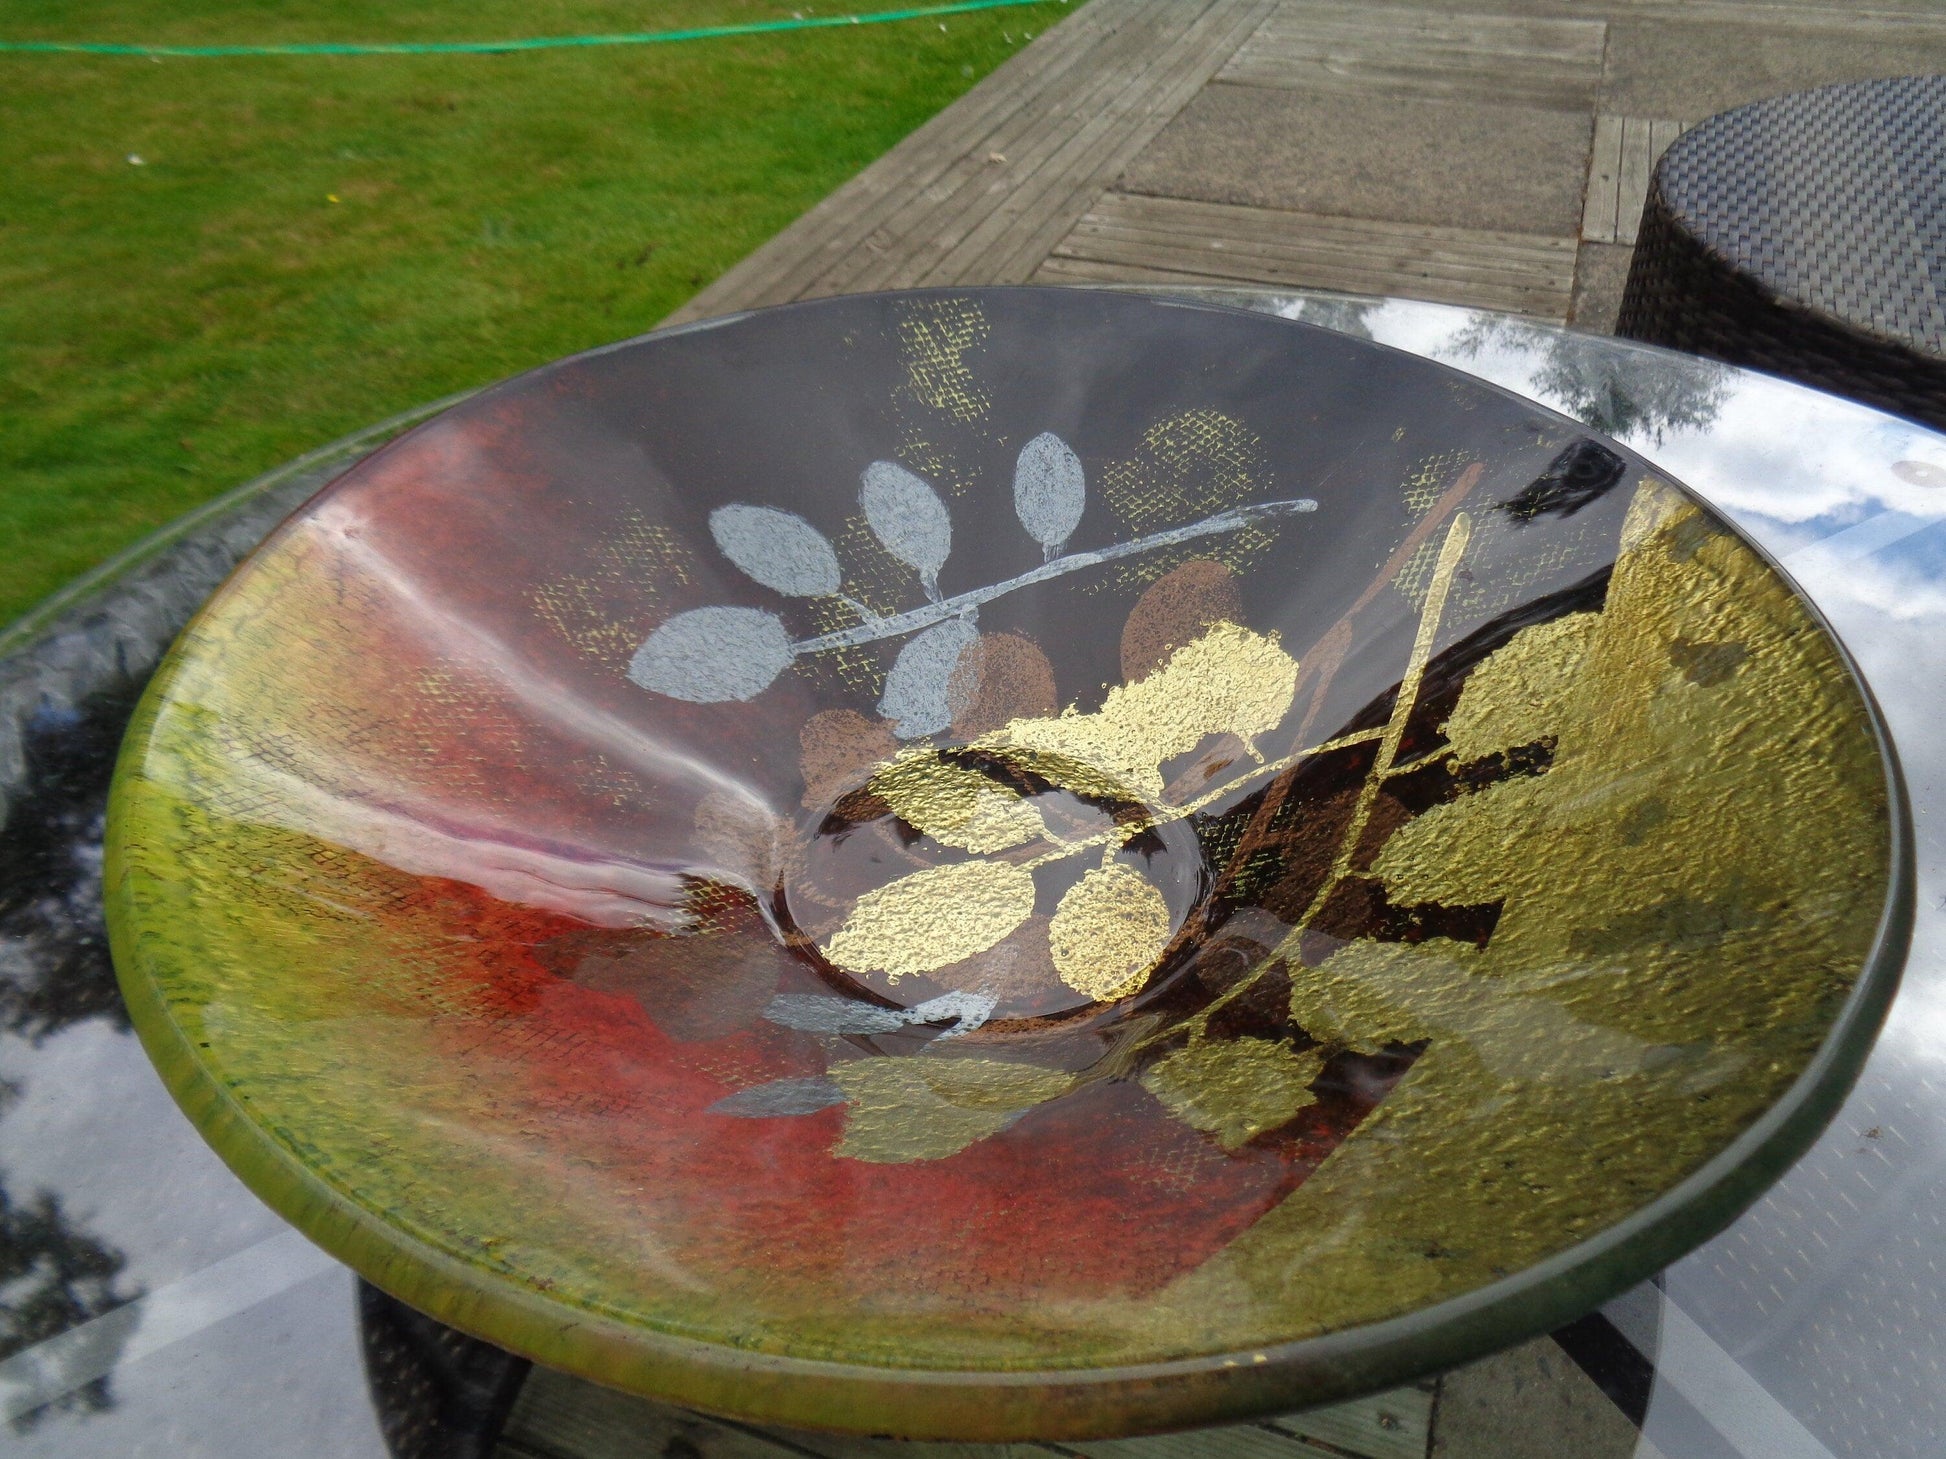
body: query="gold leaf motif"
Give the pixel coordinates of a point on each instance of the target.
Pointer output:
(955, 805)
(926, 1108)
(922, 922)
(1176, 609)
(1235, 1089)
(1595, 1050)
(936, 337)
(1515, 697)
(1108, 932)
(1229, 681)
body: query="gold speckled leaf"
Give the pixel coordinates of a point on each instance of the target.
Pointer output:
(1230, 681)
(1108, 932)
(922, 922)
(1235, 1089)
(955, 805)
(1515, 697)
(926, 1108)
(1710, 803)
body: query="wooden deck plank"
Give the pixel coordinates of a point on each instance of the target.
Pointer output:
(1625, 153)
(1043, 127)
(907, 205)
(1061, 270)
(1487, 268)
(1604, 181)
(1235, 227)
(845, 1446)
(1424, 54)
(1336, 273)
(1392, 1425)
(934, 156)
(1220, 242)
(557, 1416)
(1638, 161)
(1011, 241)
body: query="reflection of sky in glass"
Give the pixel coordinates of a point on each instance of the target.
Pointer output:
(1922, 554)
(1791, 467)
(1795, 469)
(1854, 504)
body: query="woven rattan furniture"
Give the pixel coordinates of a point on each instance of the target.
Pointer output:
(1805, 235)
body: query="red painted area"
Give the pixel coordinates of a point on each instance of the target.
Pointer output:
(1099, 1191)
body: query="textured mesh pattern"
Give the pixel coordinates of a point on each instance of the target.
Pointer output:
(1832, 197)
(1806, 235)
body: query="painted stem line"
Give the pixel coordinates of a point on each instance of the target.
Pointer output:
(1434, 609)
(1162, 815)
(914, 619)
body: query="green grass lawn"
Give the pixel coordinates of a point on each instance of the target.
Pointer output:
(310, 244)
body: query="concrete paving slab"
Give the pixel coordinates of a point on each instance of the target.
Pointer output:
(1600, 275)
(1453, 164)
(1415, 51)
(1686, 70)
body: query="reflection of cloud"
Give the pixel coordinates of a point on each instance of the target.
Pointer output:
(1774, 450)
(1915, 1029)
(1798, 457)
(1883, 586)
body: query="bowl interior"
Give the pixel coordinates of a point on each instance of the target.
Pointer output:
(1016, 832)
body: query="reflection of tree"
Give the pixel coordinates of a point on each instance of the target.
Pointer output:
(1345, 315)
(54, 1278)
(55, 973)
(54, 966)
(1619, 392)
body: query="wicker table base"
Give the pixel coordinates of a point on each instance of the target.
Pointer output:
(1805, 235)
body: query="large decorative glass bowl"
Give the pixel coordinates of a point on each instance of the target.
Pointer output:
(1006, 863)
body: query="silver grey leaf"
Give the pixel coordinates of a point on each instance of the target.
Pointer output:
(967, 1011)
(709, 655)
(780, 1097)
(915, 697)
(817, 1013)
(909, 518)
(779, 549)
(1050, 490)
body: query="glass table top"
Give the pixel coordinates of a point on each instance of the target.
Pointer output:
(151, 1272)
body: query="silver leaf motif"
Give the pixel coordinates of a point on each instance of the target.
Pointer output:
(966, 1011)
(820, 1013)
(909, 518)
(779, 1097)
(916, 691)
(779, 549)
(1050, 491)
(817, 1013)
(710, 655)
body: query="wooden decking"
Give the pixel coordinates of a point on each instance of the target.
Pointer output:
(984, 191)
(1044, 171)
(1133, 238)
(1359, 49)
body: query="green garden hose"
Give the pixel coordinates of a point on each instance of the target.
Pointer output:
(537, 43)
